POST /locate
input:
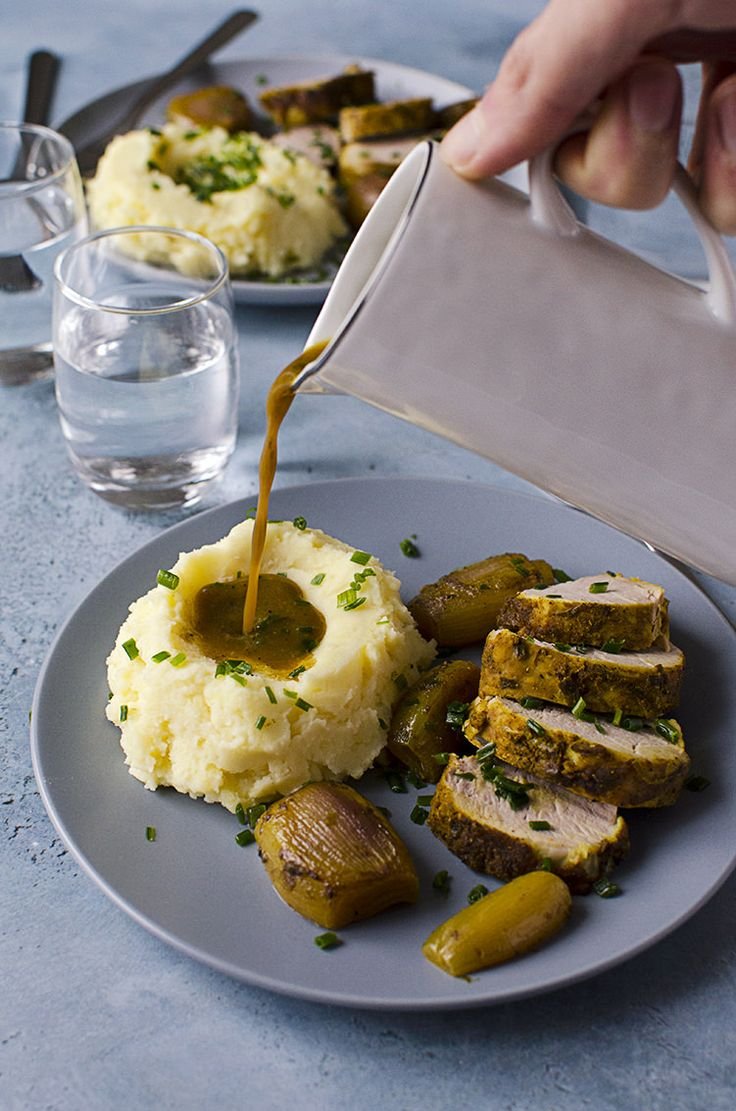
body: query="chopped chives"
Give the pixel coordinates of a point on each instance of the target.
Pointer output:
(540, 825)
(123, 713)
(245, 837)
(239, 679)
(613, 645)
(598, 588)
(560, 575)
(424, 800)
(302, 704)
(361, 557)
(529, 702)
(382, 621)
(600, 727)
(456, 713)
(271, 695)
(261, 722)
(535, 728)
(130, 648)
(409, 548)
(579, 708)
(240, 814)
(241, 666)
(355, 604)
(160, 657)
(606, 888)
(167, 579)
(415, 780)
(254, 813)
(561, 646)
(545, 865)
(300, 523)
(618, 714)
(291, 694)
(464, 775)
(318, 579)
(667, 729)
(477, 892)
(328, 940)
(150, 833)
(697, 783)
(178, 659)
(441, 882)
(297, 671)
(382, 723)
(441, 758)
(345, 597)
(419, 815)
(396, 782)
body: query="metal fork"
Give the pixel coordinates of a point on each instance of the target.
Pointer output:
(89, 154)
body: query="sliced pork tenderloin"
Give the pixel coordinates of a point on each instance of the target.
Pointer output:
(643, 683)
(630, 767)
(577, 839)
(594, 611)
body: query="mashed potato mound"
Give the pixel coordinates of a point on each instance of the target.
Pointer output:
(270, 210)
(187, 728)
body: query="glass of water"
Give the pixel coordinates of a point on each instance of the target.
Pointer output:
(41, 211)
(146, 364)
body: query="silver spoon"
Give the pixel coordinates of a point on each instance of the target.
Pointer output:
(16, 275)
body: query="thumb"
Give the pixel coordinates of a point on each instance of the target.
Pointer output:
(553, 70)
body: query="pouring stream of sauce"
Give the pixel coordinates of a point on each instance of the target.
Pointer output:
(278, 403)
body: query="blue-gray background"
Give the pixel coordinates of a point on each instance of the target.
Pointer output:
(95, 1013)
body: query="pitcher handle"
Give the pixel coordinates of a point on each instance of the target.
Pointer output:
(550, 210)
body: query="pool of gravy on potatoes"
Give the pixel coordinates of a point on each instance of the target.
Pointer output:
(262, 619)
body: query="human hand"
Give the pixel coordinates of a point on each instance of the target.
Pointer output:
(618, 56)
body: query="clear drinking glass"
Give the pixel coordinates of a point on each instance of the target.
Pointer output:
(146, 364)
(41, 212)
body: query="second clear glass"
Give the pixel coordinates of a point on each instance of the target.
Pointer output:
(146, 364)
(41, 212)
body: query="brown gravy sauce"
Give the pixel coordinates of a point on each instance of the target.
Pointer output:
(286, 630)
(278, 403)
(264, 620)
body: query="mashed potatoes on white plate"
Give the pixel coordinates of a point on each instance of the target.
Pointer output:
(269, 209)
(246, 738)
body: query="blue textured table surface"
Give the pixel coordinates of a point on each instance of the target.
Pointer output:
(94, 1012)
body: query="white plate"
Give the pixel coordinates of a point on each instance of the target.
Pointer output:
(197, 890)
(251, 76)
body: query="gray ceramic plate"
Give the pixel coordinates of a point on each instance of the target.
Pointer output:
(195, 888)
(251, 76)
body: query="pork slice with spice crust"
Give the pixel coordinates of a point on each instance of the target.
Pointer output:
(607, 679)
(633, 763)
(594, 611)
(504, 823)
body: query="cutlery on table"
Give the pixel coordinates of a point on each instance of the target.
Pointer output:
(89, 153)
(16, 276)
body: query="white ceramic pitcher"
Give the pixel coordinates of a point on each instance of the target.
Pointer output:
(500, 322)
